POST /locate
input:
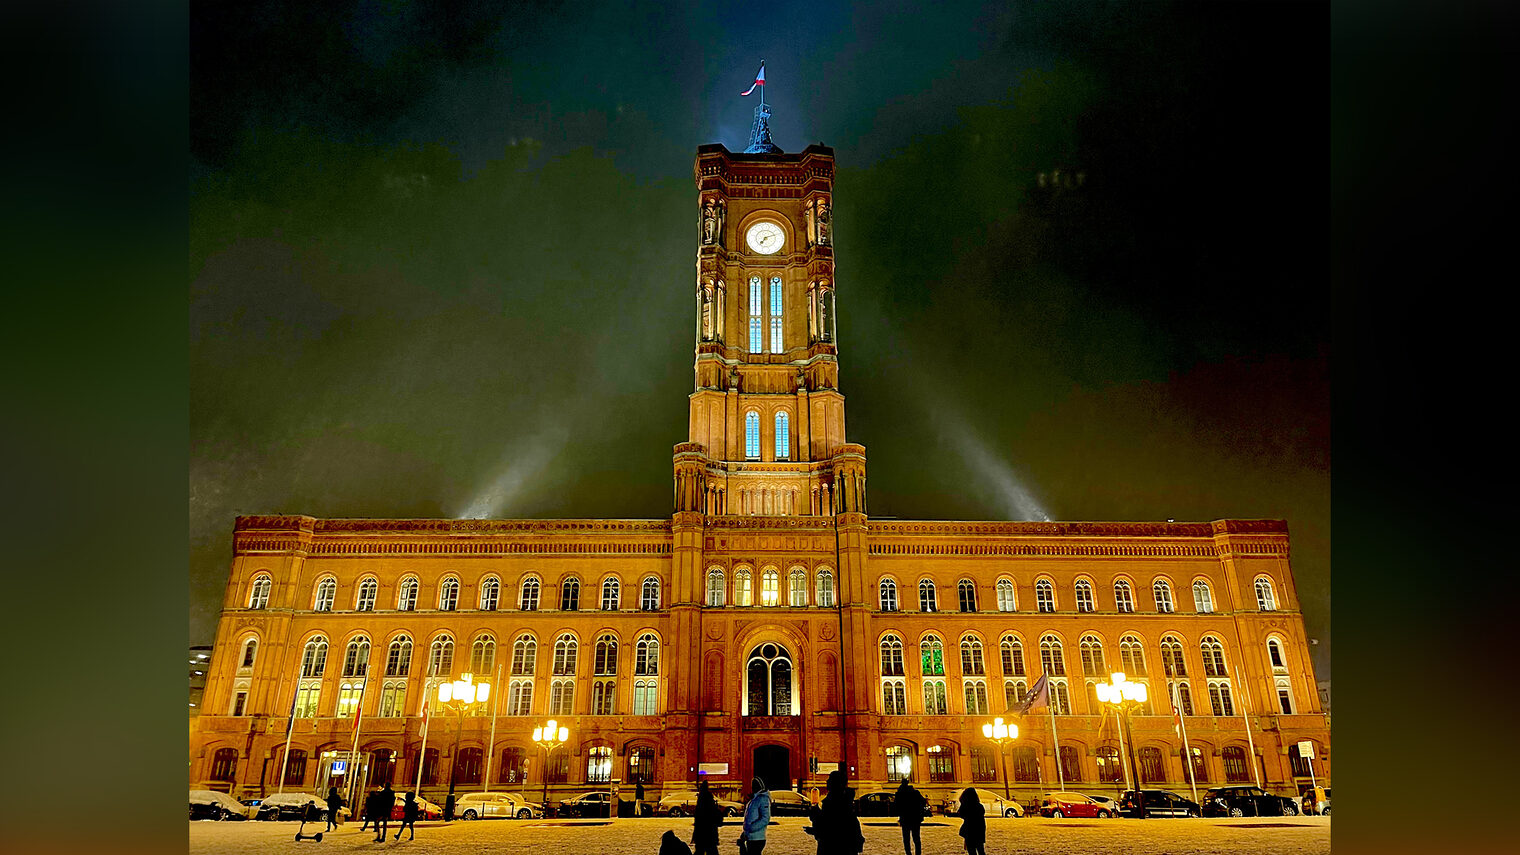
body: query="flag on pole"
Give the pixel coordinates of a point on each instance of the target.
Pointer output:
(1176, 719)
(1039, 695)
(290, 725)
(759, 80)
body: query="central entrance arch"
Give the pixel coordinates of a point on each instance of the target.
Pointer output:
(773, 765)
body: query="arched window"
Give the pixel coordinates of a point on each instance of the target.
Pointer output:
(398, 658)
(1071, 764)
(1150, 766)
(1124, 597)
(941, 764)
(250, 651)
(1221, 703)
(797, 588)
(610, 594)
(1060, 698)
(1235, 771)
(742, 589)
(604, 697)
(752, 435)
(520, 697)
(467, 765)
(1200, 771)
(715, 586)
(606, 655)
(1083, 590)
(769, 681)
(1012, 651)
(899, 762)
(561, 697)
(1163, 593)
(1045, 596)
(1275, 654)
(258, 594)
(327, 589)
(976, 697)
(1172, 661)
(598, 765)
(783, 437)
(756, 316)
(1184, 698)
(348, 698)
(441, 657)
(1050, 656)
(513, 768)
(490, 594)
(224, 764)
(1091, 650)
(971, 657)
(527, 598)
(646, 656)
(984, 766)
(891, 656)
(825, 588)
(524, 656)
(1213, 658)
(406, 594)
(1284, 696)
(1005, 599)
(1203, 598)
(1013, 694)
(483, 657)
(356, 657)
(314, 657)
(931, 656)
(649, 595)
(1132, 656)
(641, 765)
(369, 590)
(1026, 764)
(565, 650)
(927, 601)
(776, 314)
(1266, 598)
(448, 594)
(935, 698)
(894, 697)
(1110, 771)
(570, 595)
(888, 595)
(770, 587)
(966, 591)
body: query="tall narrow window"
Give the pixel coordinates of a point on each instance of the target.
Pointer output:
(1132, 656)
(610, 595)
(797, 588)
(891, 656)
(406, 595)
(369, 589)
(935, 702)
(783, 438)
(1234, 758)
(483, 657)
(356, 658)
(1150, 765)
(967, 591)
(927, 601)
(742, 590)
(448, 595)
(604, 697)
(646, 656)
(1013, 656)
(646, 698)
(520, 697)
(1184, 696)
(941, 764)
(561, 697)
(769, 677)
(258, 596)
(899, 762)
(570, 595)
(931, 656)
(1163, 593)
(1171, 658)
(756, 322)
(715, 586)
(524, 656)
(1050, 656)
(1213, 658)
(1124, 597)
(1084, 595)
(1091, 650)
(770, 587)
(1285, 697)
(606, 655)
(565, 649)
(1219, 698)
(894, 698)
(971, 657)
(441, 657)
(752, 435)
(314, 657)
(250, 650)
(825, 588)
(984, 766)
(398, 658)
(1045, 595)
(1274, 653)
(1060, 697)
(1005, 598)
(327, 589)
(393, 699)
(649, 595)
(1266, 598)
(776, 314)
(1203, 598)
(888, 595)
(528, 599)
(490, 594)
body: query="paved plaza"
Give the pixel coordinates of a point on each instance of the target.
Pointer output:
(1265, 836)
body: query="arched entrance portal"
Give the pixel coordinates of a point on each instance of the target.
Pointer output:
(773, 765)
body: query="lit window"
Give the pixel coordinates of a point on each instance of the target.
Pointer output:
(646, 699)
(562, 697)
(1124, 597)
(258, 596)
(327, 589)
(770, 583)
(1005, 600)
(1163, 593)
(971, 657)
(604, 697)
(715, 586)
(797, 588)
(369, 590)
(1060, 697)
(1091, 650)
(742, 590)
(448, 594)
(899, 763)
(570, 595)
(406, 594)
(776, 314)
(931, 657)
(528, 597)
(520, 697)
(752, 435)
(598, 765)
(610, 595)
(1266, 598)
(1203, 598)
(756, 322)
(348, 699)
(935, 702)
(825, 588)
(1132, 656)
(441, 657)
(783, 438)
(768, 678)
(1045, 596)
(888, 595)
(393, 699)
(927, 602)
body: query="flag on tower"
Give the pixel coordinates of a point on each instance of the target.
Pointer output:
(759, 80)
(1039, 695)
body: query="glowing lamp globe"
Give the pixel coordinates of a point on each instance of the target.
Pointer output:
(445, 692)
(564, 734)
(538, 734)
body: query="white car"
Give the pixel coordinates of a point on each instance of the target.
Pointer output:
(993, 803)
(210, 804)
(496, 806)
(683, 802)
(292, 806)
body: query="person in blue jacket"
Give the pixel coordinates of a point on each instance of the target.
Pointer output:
(757, 815)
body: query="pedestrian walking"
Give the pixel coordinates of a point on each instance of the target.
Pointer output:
(757, 816)
(368, 815)
(706, 817)
(973, 822)
(909, 807)
(385, 801)
(408, 817)
(334, 802)
(835, 826)
(671, 845)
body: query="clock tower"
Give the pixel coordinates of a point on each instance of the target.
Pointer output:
(766, 433)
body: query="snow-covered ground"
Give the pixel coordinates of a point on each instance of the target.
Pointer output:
(1266, 836)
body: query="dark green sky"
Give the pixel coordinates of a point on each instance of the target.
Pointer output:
(441, 257)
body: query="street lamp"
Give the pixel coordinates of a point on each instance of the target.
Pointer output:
(461, 694)
(549, 738)
(1126, 697)
(1000, 733)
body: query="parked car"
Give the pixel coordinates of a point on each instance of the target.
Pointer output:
(1111, 804)
(1065, 804)
(587, 804)
(992, 802)
(1322, 807)
(210, 804)
(1157, 803)
(789, 803)
(683, 802)
(293, 806)
(496, 806)
(425, 809)
(1246, 800)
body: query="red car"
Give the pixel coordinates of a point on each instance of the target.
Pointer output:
(1061, 805)
(425, 809)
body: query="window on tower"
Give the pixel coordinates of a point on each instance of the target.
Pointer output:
(775, 314)
(783, 437)
(756, 321)
(752, 435)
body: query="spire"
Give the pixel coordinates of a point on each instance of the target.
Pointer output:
(760, 133)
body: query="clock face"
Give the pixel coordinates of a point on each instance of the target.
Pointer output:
(764, 238)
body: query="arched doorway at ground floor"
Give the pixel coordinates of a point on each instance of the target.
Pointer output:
(773, 765)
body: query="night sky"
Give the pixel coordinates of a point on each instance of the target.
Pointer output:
(441, 257)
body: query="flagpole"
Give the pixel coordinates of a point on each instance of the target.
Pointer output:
(427, 720)
(1050, 705)
(1129, 783)
(1246, 718)
(762, 87)
(353, 749)
(495, 710)
(290, 729)
(1186, 749)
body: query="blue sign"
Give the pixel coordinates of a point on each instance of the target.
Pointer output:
(339, 767)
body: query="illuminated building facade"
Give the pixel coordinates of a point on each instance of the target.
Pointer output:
(769, 626)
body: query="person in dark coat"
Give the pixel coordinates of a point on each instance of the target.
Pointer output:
(370, 799)
(385, 802)
(973, 822)
(706, 818)
(671, 845)
(334, 802)
(408, 817)
(909, 807)
(835, 826)
(638, 798)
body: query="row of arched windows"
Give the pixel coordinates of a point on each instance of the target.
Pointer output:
(781, 437)
(407, 591)
(1082, 596)
(1090, 651)
(770, 591)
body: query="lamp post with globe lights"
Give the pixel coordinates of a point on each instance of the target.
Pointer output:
(461, 694)
(1125, 696)
(548, 737)
(999, 733)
